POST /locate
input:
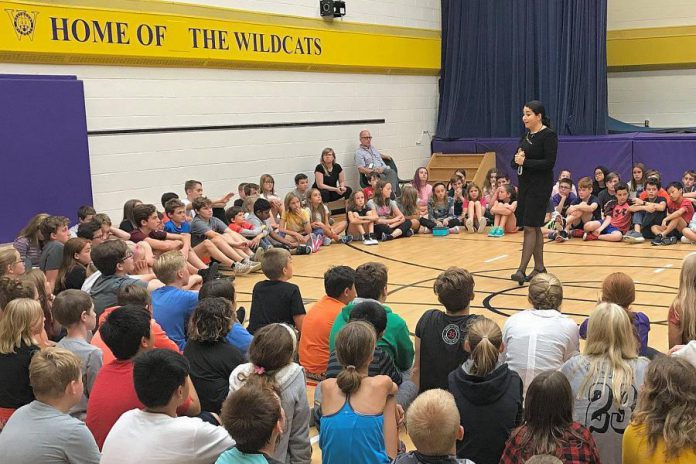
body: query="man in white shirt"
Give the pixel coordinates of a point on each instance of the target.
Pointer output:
(156, 433)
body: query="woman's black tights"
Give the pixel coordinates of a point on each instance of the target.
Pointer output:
(532, 245)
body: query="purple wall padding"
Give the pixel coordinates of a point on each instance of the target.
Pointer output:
(671, 154)
(45, 154)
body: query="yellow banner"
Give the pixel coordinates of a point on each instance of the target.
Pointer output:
(34, 32)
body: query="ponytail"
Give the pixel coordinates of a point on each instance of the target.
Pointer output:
(485, 339)
(355, 345)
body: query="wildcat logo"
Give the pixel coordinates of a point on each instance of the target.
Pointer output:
(24, 23)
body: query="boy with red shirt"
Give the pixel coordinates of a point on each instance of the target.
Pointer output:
(680, 210)
(617, 218)
(126, 332)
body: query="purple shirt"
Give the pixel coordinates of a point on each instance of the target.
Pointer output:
(641, 324)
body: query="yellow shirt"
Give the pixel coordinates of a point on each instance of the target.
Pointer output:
(296, 222)
(636, 449)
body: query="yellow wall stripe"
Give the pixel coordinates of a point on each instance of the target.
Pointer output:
(147, 33)
(653, 48)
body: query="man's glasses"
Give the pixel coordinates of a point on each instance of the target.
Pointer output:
(126, 256)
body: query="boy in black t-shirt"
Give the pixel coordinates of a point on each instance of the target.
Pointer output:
(440, 336)
(275, 299)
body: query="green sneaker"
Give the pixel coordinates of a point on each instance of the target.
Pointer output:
(500, 233)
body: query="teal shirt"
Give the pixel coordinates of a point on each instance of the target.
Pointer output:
(396, 339)
(234, 456)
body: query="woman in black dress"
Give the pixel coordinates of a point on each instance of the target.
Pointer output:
(534, 161)
(329, 178)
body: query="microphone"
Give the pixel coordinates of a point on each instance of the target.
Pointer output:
(519, 170)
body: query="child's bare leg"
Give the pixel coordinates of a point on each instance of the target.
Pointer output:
(657, 230)
(225, 247)
(689, 234)
(478, 212)
(592, 226)
(615, 236)
(496, 220)
(677, 223)
(339, 227)
(195, 261)
(503, 220)
(194, 283)
(208, 249)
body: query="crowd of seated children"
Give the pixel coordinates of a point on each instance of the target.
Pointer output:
(503, 210)
(390, 223)
(211, 356)
(540, 338)
(439, 335)
(488, 394)
(321, 222)
(313, 350)
(361, 219)
(160, 379)
(356, 405)
(276, 300)
(42, 430)
(271, 365)
(254, 418)
(605, 379)
(441, 211)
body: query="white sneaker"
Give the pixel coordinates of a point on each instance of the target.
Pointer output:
(327, 241)
(454, 230)
(483, 222)
(469, 224)
(373, 241)
(684, 239)
(255, 266)
(242, 268)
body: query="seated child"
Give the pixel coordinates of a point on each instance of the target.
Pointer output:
(680, 210)
(408, 204)
(275, 299)
(164, 199)
(689, 181)
(433, 425)
(474, 208)
(611, 180)
(238, 336)
(295, 225)
(584, 209)
(115, 261)
(161, 380)
(650, 211)
(321, 222)
(172, 306)
(339, 285)
(369, 191)
(74, 310)
(194, 189)
(390, 223)
(259, 217)
(54, 229)
(356, 405)
(242, 196)
(42, 431)
(271, 366)
(133, 295)
(207, 227)
(148, 222)
(85, 213)
(440, 335)
(564, 174)
(254, 419)
(487, 414)
(301, 188)
(126, 332)
(441, 211)
(361, 219)
(503, 210)
(564, 198)
(617, 217)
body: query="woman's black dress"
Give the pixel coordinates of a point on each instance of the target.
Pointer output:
(331, 179)
(536, 181)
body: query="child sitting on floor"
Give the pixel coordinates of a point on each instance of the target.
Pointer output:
(441, 211)
(503, 211)
(680, 210)
(361, 219)
(391, 222)
(475, 207)
(322, 223)
(617, 217)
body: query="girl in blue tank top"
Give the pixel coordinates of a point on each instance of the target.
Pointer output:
(359, 423)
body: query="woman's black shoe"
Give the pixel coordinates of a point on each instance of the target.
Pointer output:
(535, 272)
(519, 277)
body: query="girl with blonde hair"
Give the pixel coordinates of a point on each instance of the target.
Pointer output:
(682, 312)
(540, 338)
(619, 288)
(296, 227)
(11, 263)
(358, 406)
(45, 298)
(21, 319)
(606, 377)
(663, 427)
(487, 393)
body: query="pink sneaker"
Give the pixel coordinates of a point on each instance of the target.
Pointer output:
(316, 241)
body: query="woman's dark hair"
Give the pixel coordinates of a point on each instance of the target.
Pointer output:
(538, 108)
(128, 211)
(605, 171)
(211, 321)
(223, 288)
(548, 413)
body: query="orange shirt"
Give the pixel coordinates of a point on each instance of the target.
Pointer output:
(161, 339)
(316, 327)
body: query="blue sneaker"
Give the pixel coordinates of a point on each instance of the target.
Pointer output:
(493, 232)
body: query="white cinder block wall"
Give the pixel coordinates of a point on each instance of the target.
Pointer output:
(144, 166)
(666, 98)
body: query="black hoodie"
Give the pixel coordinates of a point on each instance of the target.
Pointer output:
(489, 407)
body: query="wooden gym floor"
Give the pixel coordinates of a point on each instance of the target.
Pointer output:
(414, 263)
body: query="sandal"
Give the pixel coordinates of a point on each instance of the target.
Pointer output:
(519, 277)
